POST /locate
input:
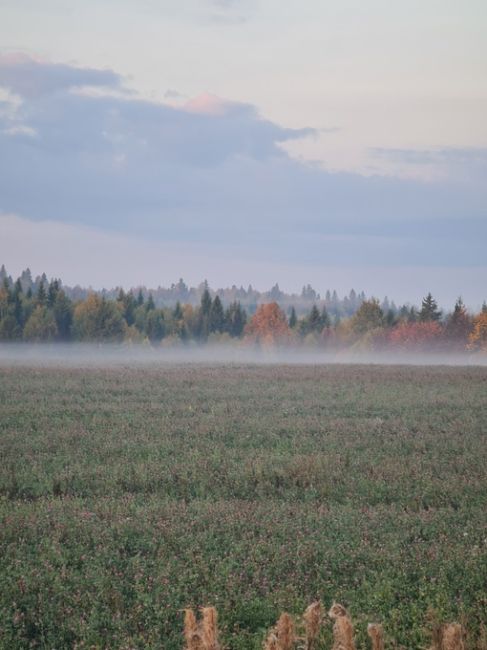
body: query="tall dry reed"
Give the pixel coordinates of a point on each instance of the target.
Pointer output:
(190, 626)
(202, 635)
(285, 632)
(452, 637)
(271, 643)
(376, 634)
(313, 617)
(209, 628)
(342, 628)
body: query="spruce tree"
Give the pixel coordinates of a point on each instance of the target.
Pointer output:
(177, 313)
(130, 306)
(52, 292)
(293, 319)
(217, 316)
(429, 310)
(206, 303)
(458, 324)
(41, 294)
(325, 318)
(150, 303)
(155, 326)
(63, 314)
(235, 319)
(314, 320)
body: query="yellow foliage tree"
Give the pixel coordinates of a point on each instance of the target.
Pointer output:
(478, 336)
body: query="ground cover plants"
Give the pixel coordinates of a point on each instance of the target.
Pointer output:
(130, 494)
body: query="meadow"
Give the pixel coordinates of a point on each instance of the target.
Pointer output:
(130, 493)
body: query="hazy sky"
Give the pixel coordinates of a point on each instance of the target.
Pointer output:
(341, 143)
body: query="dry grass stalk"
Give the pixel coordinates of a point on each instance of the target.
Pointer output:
(197, 642)
(452, 637)
(376, 633)
(337, 610)
(190, 626)
(312, 622)
(271, 643)
(285, 632)
(209, 628)
(342, 628)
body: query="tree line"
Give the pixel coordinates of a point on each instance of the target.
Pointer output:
(44, 312)
(249, 298)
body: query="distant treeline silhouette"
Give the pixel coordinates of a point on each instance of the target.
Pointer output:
(44, 310)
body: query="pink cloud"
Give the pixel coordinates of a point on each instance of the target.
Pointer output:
(208, 104)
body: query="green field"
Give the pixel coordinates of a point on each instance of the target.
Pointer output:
(127, 494)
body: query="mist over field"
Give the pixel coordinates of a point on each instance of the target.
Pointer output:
(107, 355)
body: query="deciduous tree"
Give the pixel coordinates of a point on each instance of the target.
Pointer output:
(268, 324)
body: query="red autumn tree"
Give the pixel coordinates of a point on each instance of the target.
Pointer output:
(416, 335)
(268, 325)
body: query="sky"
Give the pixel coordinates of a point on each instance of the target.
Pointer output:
(337, 143)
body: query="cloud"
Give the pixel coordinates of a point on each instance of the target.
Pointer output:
(174, 94)
(212, 172)
(463, 163)
(31, 78)
(21, 130)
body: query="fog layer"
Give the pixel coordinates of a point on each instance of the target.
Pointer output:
(105, 355)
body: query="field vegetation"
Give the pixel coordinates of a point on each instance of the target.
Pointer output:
(130, 494)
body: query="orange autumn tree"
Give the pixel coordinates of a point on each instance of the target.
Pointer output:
(478, 337)
(268, 325)
(416, 335)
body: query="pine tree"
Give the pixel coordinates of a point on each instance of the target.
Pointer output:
(203, 322)
(52, 292)
(206, 303)
(325, 318)
(429, 310)
(18, 311)
(390, 318)
(41, 294)
(130, 306)
(235, 319)
(293, 319)
(140, 298)
(150, 303)
(26, 279)
(412, 315)
(177, 313)
(458, 324)
(217, 316)
(155, 327)
(314, 320)
(63, 314)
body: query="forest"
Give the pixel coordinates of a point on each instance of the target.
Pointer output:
(42, 310)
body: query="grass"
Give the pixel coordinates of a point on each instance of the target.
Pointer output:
(129, 494)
